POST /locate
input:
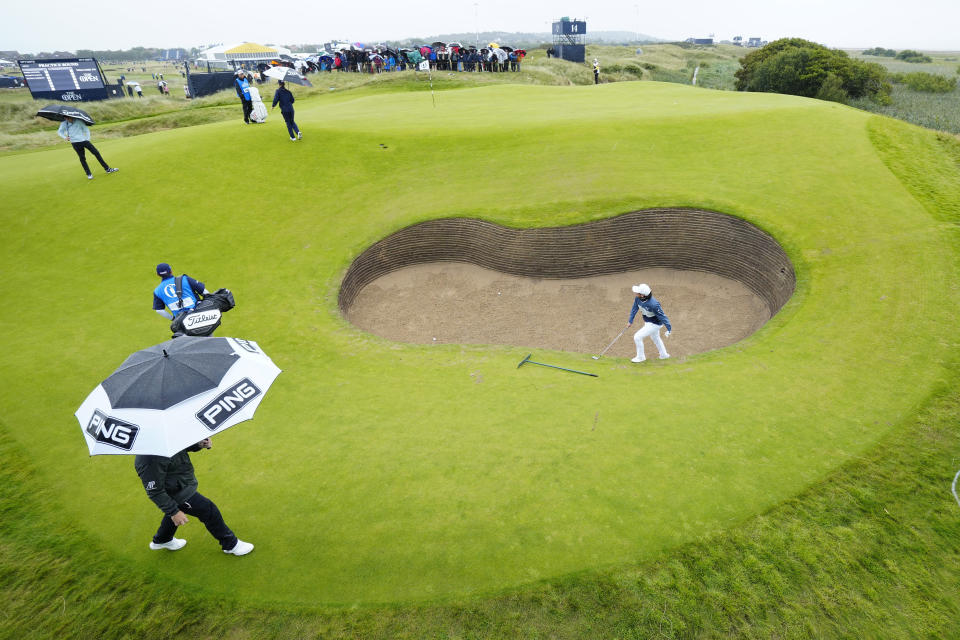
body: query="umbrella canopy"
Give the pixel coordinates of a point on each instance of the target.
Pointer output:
(133, 83)
(507, 49)
(286, 74)
(58, 112)
(493, 45)
(169, 396)
(438, 44)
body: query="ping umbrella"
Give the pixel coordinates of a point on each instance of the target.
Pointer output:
(287, 75)
(169, 396)
(58, 112)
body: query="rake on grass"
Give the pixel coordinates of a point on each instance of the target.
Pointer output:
(552, 366)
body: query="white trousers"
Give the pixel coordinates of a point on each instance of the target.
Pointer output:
(652, 331)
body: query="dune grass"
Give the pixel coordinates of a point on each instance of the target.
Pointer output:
(358, 491)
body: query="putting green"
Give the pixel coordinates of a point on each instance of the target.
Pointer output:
(381, 472)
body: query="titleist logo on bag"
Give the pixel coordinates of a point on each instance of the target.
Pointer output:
(200, 319)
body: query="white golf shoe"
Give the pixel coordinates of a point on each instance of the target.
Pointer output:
(172, 545)
(665, 356)
(637, 359)
(240, 549)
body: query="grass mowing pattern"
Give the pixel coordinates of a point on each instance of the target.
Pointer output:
(452, 487)
(871, 551)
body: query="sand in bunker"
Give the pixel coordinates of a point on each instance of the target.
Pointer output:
(463, 303)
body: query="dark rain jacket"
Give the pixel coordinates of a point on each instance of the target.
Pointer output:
(169, 482)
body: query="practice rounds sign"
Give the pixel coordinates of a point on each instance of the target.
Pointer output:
(64, 79)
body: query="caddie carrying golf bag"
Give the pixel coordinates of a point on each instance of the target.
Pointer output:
(204, 318)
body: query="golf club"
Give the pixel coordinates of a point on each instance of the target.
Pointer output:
(609, 345)
(527, 359)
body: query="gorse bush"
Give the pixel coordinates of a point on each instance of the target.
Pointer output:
(800, 67)
(832, 89)
(923, 81)
(880, 51)
(908, 55)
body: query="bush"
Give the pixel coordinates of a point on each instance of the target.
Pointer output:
(880, 51)
(909, 55)
(929, 82)
(800, 67)
(832, 89)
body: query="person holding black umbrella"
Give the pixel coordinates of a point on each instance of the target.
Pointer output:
(77, 133)
(284, 97)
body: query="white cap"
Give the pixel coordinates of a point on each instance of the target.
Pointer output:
(642, 289)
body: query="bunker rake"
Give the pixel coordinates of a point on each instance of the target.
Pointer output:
(552, 366)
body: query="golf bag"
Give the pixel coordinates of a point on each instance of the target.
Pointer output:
(204, 318)
(259, 113)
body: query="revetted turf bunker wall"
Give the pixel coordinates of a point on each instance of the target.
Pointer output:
(686, 239)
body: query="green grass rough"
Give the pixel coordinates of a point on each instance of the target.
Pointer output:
(359, 492)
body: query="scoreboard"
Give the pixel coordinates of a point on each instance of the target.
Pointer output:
(64, 79)
(570, 28)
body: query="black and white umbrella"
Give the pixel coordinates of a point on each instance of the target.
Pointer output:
(169, 396)
(58, 112)
(287, 74)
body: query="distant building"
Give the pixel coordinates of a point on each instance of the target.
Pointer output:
(738, 41)
(707, 41)
(228, 56)
(756, 42)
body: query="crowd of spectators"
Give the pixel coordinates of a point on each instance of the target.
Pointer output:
(438, 56)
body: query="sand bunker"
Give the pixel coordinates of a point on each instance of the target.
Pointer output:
(568, 288)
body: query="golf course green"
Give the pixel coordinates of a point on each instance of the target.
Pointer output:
(378, 472)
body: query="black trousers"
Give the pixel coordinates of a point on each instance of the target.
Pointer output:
(205, 511)
(247, 109)
(80, 148)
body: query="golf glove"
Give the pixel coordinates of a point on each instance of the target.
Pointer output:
(666, 335)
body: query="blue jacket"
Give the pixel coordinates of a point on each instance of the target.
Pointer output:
(651, 310)
(285, 98)
(243, 88)
(165, 295)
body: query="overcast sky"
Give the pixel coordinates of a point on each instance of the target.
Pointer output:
(121, 24)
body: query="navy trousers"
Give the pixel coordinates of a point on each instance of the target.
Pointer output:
(291, 125)
(204, 510)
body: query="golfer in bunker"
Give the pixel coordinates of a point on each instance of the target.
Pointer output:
(653, 318)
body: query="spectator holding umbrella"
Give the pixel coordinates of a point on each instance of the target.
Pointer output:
(283, 96)
(73, 129)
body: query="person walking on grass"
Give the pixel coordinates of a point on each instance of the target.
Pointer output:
(172, 485)
(653, 318)
(77, 134)
(283, 96)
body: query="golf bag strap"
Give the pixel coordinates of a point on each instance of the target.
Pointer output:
(178, 286)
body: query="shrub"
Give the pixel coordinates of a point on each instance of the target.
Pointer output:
(929, 82)
(909, 55)
(880, 51)
(832, 89)
(800, 67)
